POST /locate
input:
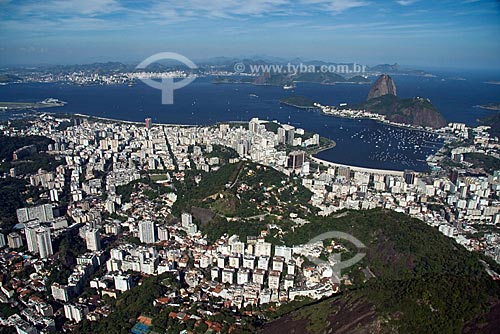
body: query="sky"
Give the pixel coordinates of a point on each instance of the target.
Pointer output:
(437, 33)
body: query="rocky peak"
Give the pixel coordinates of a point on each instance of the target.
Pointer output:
(383, 86)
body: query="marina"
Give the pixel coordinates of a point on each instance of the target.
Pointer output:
(392, 145)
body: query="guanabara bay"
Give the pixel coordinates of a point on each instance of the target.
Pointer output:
(249, 167)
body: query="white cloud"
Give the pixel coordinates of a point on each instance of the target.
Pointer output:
(169, 11)
(342, 5)
(338, 6)
(228, 8)
(406, 2)
(70, 7)
(221, 8)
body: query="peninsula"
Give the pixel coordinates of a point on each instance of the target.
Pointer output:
(47, 103)
(298, 102)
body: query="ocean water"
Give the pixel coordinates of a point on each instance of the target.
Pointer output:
(363, 143)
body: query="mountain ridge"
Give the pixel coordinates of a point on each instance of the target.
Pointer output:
(416, 111)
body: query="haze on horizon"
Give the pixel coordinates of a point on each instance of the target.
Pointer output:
(448, 34)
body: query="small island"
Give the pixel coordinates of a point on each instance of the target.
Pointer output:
(490, 106)
(233, 80)
(298, 102)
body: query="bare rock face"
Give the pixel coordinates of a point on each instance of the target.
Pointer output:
(383, 86)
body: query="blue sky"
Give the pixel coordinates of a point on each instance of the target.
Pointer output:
(438, 33)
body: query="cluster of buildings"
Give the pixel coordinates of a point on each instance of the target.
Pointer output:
(79, 78)
(257, 272)
(132, 234)
(344, 111)
(82, 77)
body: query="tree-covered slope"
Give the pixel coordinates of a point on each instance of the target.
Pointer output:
(425, 282)
(414, 111)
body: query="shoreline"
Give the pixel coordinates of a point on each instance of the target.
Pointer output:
(312, 154)
(331, 145)
(359, 168)
(129, 122)
(385, 122)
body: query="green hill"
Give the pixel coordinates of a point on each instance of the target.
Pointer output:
(414, 111)
(358, 79)
(486, 162)
(425, 282)
(281, 79)
(273, 79)
(6, 78)
(494, 122)
(297, 101)
(318, 77)
(240, 191)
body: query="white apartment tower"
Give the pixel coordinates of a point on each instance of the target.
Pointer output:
(147, 232)
(186, 219)
(44, 243)
(163, 233)
(93, 239)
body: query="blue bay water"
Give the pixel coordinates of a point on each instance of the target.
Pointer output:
(359, 142)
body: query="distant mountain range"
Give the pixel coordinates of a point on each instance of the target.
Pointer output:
(216, 63)
(377, 69)
(396, 69)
